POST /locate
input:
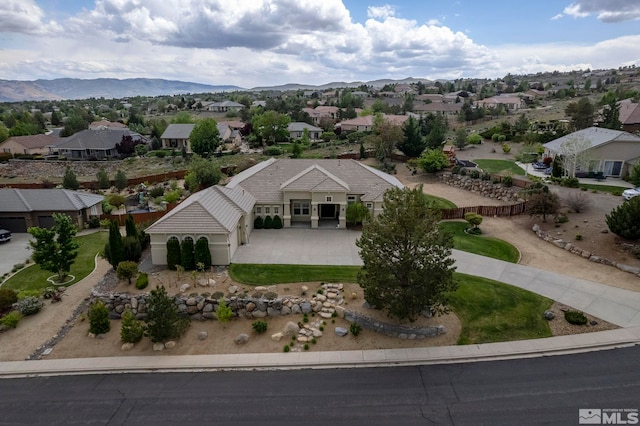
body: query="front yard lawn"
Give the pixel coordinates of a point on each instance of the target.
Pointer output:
(500, 167)
(257, 274)
(491, 311)
(478, 244)
(440, 203)
(33, 278)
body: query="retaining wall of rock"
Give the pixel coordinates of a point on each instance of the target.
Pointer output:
(485, 188)
(572, 248)
(393, 330)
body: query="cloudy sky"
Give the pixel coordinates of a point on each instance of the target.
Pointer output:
(252, 43)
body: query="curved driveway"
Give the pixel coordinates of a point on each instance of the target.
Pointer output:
(337, 247)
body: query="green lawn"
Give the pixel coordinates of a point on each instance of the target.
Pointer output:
(616, 190)
(440, 203)
(478, 244)
(256, 274)
(499, 167)
(33, 277)
(491, 311)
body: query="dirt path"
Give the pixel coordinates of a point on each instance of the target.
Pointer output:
(34, 331)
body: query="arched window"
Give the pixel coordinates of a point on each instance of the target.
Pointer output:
(188, 238)
(204, 238)
(173, 237)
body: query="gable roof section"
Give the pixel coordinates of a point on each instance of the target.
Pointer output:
(314, 178)
(28, 200)
(213, 210)
(94, 139)
(35, 141)
(596, 135)
(178, 131)
(629, 113)
(297, 126)
(264, 180)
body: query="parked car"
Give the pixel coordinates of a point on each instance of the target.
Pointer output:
(628, 194)
(5, 236)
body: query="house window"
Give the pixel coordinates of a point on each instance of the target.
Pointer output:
(351, 199)
(301, 208)
(305, 209)
(328, 199)
(258, 210)
(267, 210)
(276, 210)
(612, 168)
(188, 238)
(369, 205)
(6, 150)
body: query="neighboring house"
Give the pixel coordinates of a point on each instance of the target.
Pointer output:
(92, 144)
(630, 115)
(438, 108)
(365, 124)
(176, 136)
(302, 192)
(104, 124)
(221, 215)
(33, 144)
(229, 134)
(609, 151)
(509, 103)
(321, 112)
(21, 209)
(296, 130)
(224, 106)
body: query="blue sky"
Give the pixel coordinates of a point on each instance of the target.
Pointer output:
(253, 43)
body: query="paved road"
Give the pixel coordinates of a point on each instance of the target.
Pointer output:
(529, 391)
(15, 251)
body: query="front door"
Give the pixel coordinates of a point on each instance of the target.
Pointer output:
(327, 211)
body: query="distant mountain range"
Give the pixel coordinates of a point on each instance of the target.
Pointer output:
(109, 88)
(113, 88)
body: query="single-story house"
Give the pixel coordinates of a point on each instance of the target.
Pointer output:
(608, 151)
(90, 144)
(296, 130)
(105, 124)
(510, 103)
(302, 192)
(224, 106)
(365, 124)
(221, 215)
(630, 115)
(229, 134)
(176, 136)
(32, 144)
(21, 209)
(446, 109)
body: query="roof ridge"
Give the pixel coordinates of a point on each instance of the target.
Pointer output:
(24, 200)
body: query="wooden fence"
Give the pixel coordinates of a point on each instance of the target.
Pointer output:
(139, 217)
(160, 177)
(490, 211)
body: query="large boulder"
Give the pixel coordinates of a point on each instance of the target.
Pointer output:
(341, 331)
(290, 329)
(241, 339)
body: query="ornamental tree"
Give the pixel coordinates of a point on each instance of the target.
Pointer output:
(205, 137)
(55, 249)
(407, 260)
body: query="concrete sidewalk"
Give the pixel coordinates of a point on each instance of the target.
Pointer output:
(560, 345)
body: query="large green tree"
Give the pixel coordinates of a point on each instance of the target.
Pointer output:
(271, 127)
(611, 115)
(205, 137)
(55, 249)
(202, 173)
(581, 113)
(407, 260)
(624, 220)
(413, 143)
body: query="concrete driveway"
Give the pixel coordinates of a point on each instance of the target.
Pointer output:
(15, 251)
(293, 246)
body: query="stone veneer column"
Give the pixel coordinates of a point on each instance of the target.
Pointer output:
(286, 217)
(314, 215)
(342, 218)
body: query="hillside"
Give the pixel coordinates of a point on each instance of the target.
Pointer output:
(109, 88)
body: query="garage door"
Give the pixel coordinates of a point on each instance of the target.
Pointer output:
(46, 222)
(14, 224)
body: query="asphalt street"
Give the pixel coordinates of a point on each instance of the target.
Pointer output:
(528, 391)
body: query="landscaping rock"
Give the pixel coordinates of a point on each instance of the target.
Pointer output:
(241, 339)
(341, 331)
(203, 335)
(304, 289)
(260, 288)
(549, 315)
(276, 337)
(127, 346)
(233, 289)
(305, 307)
(250, 307)
(290, 329)
(170, 344)
(158, 347)
(258, 314)
(184, 287)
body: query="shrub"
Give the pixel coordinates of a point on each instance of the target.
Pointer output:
(94, 222)
(11, 319)
(132, 249)
(286, 348)
(188, 255)
(474, 219)
(7, 298)
(273, 151)
(142, 281)
(306, 347)
(259, 327)
(575, 317)
(173, 253)
(126, 270)
(433, 160)
(163, 317)
(506, 147)
(624, 220)
(578, 237)
(48, 292)
(578, 202)
(475, 174)
(277, 222)
(258, 223)
(156, 191)
(507, 181)
(105, 223)
(355, 328)
(563, 218)
(172, 196)
(268, 222)
(202, 254)
(131, 330)
(357, 213)
(103, 179)
(116, 200)
(99, 318)
(70, 181)
(120, 180)
(486, 176)
(23, 294)
(570, 182)
(29, 305)
(224, 312)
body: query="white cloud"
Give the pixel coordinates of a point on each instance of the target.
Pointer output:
(24, 16)
(380, 12)
(605, 10)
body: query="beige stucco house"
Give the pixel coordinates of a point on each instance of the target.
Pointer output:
(32, 144)
(611, 152)
(302, 192)
(177, 136)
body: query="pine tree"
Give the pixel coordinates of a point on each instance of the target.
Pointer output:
(187, 255)
(116, 246)
(99, 318)
(163, 317)
(121, 180)
(131, 329)
(70, 181)
(624, 220)
(103, 179)
(130, 226)
(202, 253)
(174, 256)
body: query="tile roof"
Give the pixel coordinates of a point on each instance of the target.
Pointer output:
(28, 200)
(265, 180)
(629, 113)
(216, 209)
(178, 131)
(36, 141)
(300, 126)
(596, 135)
(94, 139)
